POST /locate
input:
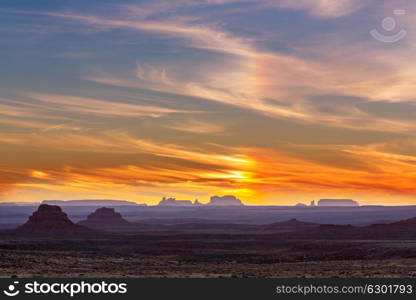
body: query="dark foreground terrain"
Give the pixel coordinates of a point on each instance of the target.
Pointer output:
(104, 244)
(206, 256)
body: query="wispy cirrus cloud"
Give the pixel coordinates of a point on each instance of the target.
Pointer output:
(39, 125)
(196, 126)
(198, 36)
(114, 141)
(85, 105)
(277, 78)
(315, 8)
(257, 74)
(269, 172)
(312, 77)
(321, 8)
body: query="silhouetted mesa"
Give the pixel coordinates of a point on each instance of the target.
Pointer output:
(19, 203)
(290, 224)
(174, 202)
(393, 231)
(228, 200)
(91, 202)
(106, 219)
(337, 202)
(411, 221)
(50, 220)
(197, 203)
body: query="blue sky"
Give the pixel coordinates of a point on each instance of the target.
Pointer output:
(275, 101)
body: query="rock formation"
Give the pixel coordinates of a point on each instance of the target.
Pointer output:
(337, 202)
(91, 202)
(105, 219)
(228, 200)
(290, 224)
(174, 202)
(197, 203)
(50, 220)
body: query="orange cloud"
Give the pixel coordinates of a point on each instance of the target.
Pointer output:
(261, 177)
(240, 74)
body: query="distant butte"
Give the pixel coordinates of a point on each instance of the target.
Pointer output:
(92, 202)
(173, 202)
(50, 220)
(292, 223)
(105, 219)
(227, 200)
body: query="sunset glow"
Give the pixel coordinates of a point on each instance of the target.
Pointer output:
(271, 101)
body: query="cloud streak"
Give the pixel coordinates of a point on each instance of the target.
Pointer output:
(211, 96)
(92, 106)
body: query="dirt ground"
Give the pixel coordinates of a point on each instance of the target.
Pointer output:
(44, 259)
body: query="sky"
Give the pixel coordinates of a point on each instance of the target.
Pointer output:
(274, 101)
